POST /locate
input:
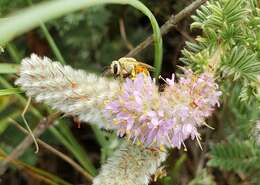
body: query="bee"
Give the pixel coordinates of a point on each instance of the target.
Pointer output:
(129, 67)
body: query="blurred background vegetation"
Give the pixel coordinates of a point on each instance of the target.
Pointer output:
(90, 39)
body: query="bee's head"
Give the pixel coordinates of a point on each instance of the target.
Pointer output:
(115, 68)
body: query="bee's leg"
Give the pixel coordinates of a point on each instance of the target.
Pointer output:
(124, 74)
(127, 75)
(146, 72)
(133, 73)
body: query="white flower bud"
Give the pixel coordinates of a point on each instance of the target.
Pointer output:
(71, 91)
(130, 165)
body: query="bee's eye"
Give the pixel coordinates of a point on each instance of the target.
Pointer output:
(115, 68)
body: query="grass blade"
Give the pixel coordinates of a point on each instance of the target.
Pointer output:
(8, 68)
(37, 173)
(10, 91)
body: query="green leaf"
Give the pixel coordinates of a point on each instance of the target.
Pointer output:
(4, 121)
(240, 63)
(4, 102)
(8, 68)
(218, 13)
(236, 156)
(10, 91)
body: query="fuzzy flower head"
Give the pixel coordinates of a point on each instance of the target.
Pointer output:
(157, 119)
(71, 91)
(198, 93)
(190, 102)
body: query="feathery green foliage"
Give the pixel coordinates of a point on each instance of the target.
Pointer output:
(230, 28)
(235, 155)
(229, 44)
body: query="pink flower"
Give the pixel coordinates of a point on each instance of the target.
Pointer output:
(157, 119)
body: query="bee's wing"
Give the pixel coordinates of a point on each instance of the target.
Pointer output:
(130, 60)
(150, 68)
(138, 63)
